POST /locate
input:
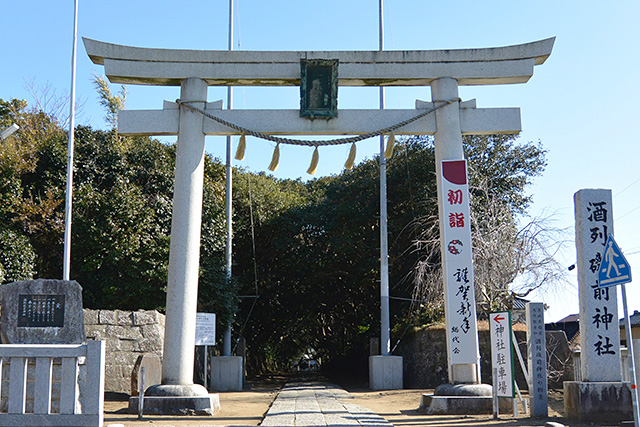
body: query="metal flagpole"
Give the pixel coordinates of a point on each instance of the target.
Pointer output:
(66, 263)
(226, 342)
(632, 364)
(385, 339)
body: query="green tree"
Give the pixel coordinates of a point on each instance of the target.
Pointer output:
(17, 258)
(111, 103)
(121, 217)
(216, 294)
(30, 179)
(306, 257)
(318, 259)
(122, 220)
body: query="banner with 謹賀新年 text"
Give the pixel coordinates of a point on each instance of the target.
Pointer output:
(462, 330)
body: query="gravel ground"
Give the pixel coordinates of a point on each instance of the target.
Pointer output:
(248, 407)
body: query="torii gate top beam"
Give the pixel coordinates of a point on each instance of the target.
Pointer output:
(168, 67)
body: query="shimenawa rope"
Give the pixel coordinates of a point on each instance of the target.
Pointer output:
(313, 143)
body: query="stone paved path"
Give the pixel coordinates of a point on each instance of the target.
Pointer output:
(318, 404)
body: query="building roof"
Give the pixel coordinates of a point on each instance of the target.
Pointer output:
(634, 318)
(570, 325)
(520, 303)
(570, 318)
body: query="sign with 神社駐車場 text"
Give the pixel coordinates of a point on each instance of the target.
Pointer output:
(501, 353)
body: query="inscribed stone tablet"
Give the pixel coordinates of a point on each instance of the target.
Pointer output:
(599, 329)
(43, 311)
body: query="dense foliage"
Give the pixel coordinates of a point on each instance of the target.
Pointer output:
(123, 190)
(306, 257)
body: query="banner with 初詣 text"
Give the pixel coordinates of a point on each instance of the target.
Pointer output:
(462, 327)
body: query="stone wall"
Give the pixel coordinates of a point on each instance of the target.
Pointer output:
(128, 335)
(424, 355)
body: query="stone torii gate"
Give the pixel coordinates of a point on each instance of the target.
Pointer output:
(194, 71)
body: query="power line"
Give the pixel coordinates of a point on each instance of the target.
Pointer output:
(627, 187)
(622, 191)
(632, 210)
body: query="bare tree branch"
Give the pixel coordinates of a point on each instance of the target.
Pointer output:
(509, 259)
(47, 100)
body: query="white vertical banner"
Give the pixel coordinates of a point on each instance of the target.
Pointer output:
(462, 329)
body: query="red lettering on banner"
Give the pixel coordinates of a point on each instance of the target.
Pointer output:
(456, 220)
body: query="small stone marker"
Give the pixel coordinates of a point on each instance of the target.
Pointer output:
(599, 330)
(43, 311)
(537, 358)
(152, 372)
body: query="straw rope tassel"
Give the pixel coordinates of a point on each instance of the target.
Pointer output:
(388, 152)
(352, 157)
(314, 162)
(242, 146)
(275, 159)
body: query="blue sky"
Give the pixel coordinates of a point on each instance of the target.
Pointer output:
(580, 104)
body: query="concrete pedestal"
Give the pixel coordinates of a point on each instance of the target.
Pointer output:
(449, 399)
(226, 373)
(385, 372)
(177, 399)
(598, 401)
(431, 404)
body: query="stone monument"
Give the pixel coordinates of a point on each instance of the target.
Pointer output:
(152, 373)
(601, 395)
(537, 360)
(43, 311)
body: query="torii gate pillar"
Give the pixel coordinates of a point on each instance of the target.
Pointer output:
(184, 254)
(448, 146)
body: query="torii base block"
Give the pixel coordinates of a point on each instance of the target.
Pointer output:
(177, 399)
(176, 405)
(226, 373)
(449, 399)
(385, 372)
(462, 405)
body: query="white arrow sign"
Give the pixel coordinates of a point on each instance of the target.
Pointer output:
(501, 353)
